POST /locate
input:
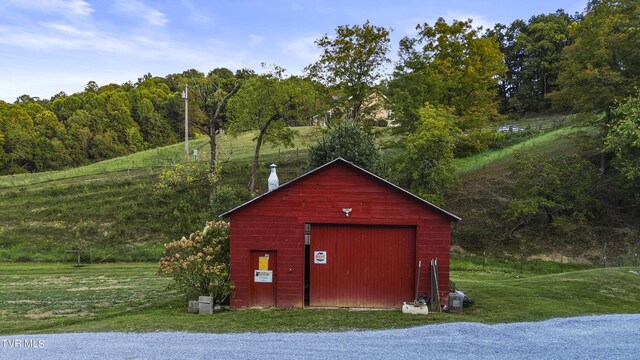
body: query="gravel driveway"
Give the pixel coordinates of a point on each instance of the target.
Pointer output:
(588, 337)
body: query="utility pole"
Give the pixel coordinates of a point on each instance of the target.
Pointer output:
(185, 95)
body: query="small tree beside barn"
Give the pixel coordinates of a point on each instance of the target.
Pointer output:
(338, 236)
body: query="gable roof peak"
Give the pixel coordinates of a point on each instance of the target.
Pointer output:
(342, 160)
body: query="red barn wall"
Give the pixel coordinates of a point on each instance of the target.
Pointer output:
(277, 220)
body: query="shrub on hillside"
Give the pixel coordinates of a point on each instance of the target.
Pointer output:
(181, 193)
(560, 192)
(199, 265)
(228, 197)
(349, 141)
(184, 174)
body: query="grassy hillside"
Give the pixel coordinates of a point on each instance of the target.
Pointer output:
(484, 190)
(549, 143)
(47, 298)
(238, 148)
(110, 211)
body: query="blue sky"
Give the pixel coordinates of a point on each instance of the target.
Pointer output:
(48, 46)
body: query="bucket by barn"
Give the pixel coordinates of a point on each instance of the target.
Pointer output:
(456, 302)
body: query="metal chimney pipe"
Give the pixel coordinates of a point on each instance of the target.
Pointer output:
(273, 181)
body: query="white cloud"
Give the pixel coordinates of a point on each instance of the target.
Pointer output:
(66, 7)
(255, 39)
(408, 27)
(196, 15)
(304, 48)
(55, 36)
(68, 29)
(142, 11)
(477, 20)
(78, 7)
(55, 39)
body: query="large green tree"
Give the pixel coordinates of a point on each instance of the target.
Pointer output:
(49, 150)
(269, 104)
(449, 65)
(559, 193)
(210, 96)
(151, 107)
(17, 133)
(427, 162)
(532, 51)
(602, 66)
(514, 58)
(351, 63)
(65, 106)
(114, 132)
(81, 127)
(623, 138)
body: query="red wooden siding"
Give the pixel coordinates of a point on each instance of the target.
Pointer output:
(324, 195)
(281, 234)
(276, 222)
(367, 266)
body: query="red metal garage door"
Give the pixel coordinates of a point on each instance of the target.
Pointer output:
(361, 265)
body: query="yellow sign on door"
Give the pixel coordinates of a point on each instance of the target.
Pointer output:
(263, 263)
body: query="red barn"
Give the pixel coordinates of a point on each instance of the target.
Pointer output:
(338, 236)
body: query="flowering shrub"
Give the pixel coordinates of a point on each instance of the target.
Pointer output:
(185, 174)
(199, 265)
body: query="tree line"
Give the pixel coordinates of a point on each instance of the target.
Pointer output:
(97, 124)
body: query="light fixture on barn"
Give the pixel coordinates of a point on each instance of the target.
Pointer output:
(346, 211)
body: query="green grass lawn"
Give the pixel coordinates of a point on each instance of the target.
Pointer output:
(51, 298)
(547, 143)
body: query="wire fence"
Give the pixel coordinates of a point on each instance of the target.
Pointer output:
(541, 264)
(484, 262)
(506, 149)
(99, 255)
(131, 171)
(513, 134)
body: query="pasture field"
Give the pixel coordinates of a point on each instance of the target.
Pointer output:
(53, 298)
